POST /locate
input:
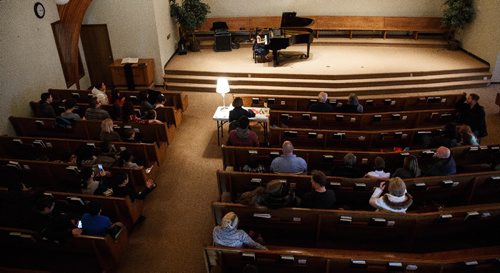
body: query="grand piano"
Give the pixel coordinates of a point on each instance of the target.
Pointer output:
(292, 31)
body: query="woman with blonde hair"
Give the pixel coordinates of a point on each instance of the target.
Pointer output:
(228, 234)
(107, 131)
(396, 200)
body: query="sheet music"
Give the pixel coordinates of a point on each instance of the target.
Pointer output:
(130, 60)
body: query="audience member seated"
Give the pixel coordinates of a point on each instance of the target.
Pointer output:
(444, 163)
(242, 136)
(144, 101)
(129, 115)
(319, 197)
(129, 135)
(288, 162)
(160, 101)
(322, 105)
(228, 234)
(448, 139)
(121, 188)
(238, 110)
(52, 225)
(45, 108)
(467, 136)
(278, 195)
(410, 168)
(89, 183)
(252, 198)
(70, 106)
(253, 165)
(126, 160)
(396, 200)
(352, 105)
(118, 101)
(93, 223)
(378, 172)
(94, 112)
(85, 155)
(472, 114)
(99, 92)
(349, 169)
(107, 131)
(18, 201)
(107, 155)
(151, 116)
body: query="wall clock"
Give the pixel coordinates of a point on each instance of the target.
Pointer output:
(39, 10)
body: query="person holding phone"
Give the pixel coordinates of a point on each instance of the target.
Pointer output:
(91, 182)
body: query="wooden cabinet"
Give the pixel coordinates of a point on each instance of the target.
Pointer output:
(142, 73)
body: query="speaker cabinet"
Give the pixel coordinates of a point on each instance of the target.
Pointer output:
(222, 41)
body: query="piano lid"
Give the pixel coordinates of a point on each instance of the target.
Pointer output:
(290, 19)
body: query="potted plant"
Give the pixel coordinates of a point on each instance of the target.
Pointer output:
(190, 15)
(457, 14)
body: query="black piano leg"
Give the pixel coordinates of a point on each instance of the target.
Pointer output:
(308, 47)
(276, 60)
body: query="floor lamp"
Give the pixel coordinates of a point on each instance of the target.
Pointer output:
(222, 88)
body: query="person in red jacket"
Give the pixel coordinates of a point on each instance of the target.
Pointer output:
(242, 136)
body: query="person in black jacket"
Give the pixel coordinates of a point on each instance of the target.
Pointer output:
(472, 114)
(121, 188)
(45, 108)
(319, 197)
(238, 110)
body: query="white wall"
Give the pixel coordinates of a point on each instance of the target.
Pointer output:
(166, 29)
(29, 62)
(482, 36)
(413, 8)
(133, 30)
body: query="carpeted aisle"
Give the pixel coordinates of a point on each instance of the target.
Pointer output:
(178, 213)
(179, 220)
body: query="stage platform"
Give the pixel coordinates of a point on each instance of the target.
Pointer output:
(337, 69)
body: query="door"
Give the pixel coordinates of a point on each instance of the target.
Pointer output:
(98, 54)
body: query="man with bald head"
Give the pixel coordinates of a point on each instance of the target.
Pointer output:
(444, 163)
(322, 105)
(288, 162)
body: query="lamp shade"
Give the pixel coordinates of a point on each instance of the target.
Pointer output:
(222, 86)
(61, 2)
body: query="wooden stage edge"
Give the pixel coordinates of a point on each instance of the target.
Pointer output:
(339, 70)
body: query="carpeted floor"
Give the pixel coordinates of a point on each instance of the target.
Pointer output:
(179, 220)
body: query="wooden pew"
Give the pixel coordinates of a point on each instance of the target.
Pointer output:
(89, 129)
(370, 104)
(428, 192)
(64, 176)
(81, 254)
(359, 121)
(370, 230)
(167, 114)
(118, 209)
(146, 154)
(343, 139)
(465, 156)
(174, 98)
(295, 259)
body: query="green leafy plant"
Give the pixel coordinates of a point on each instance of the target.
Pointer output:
(190, 15)
(458, 13)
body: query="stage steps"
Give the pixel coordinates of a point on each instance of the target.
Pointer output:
(309, 84)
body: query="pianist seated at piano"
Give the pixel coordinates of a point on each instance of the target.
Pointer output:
(259, 47)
